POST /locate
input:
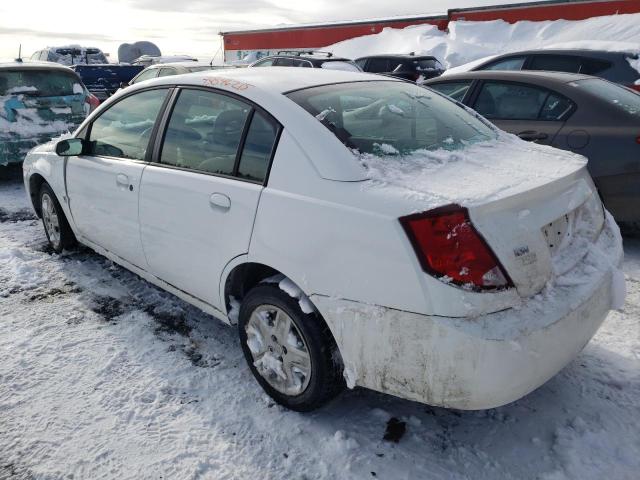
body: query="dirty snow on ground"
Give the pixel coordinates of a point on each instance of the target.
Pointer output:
(104, 376)
(468, 41)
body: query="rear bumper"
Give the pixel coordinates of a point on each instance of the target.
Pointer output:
(483, 362)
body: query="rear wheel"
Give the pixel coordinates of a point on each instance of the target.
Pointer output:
(55, 223)
(292, 354)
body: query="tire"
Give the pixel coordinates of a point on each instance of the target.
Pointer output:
(309, 334)
(56, 226)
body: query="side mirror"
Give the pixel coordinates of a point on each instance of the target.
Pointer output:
(70, 147)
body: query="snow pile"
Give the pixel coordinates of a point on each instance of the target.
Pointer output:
(468, 41)
(474, 174)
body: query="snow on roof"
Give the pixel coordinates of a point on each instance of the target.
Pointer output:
(34, 65)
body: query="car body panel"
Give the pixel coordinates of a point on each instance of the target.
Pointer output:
(323, 223)
(595, 128)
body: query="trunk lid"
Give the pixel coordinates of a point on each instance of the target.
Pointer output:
(535, 206)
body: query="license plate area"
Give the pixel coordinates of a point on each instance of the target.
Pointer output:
(559, 233)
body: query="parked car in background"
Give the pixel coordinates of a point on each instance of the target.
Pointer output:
(177, 68)
(358, 229)
(148, 60)
(307, 59)
(105, 80)
(616, 67)
(586, 115)
(38, 101)
(416, 68)
(71, 55)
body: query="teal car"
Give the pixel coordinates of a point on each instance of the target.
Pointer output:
(38, 101)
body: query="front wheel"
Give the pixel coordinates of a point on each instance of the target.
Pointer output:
(291, 354)
(55, 223)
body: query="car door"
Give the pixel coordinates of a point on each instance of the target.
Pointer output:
(103, 183)
(533, 113)
(199, 199)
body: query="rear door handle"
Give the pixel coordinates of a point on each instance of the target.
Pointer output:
(220, 200)
(531, 135)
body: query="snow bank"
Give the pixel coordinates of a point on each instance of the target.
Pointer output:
(468, 41)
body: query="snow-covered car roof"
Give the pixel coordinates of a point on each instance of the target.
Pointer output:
(35, 65)
(272, 79)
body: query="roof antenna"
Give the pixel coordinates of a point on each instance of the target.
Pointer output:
(19, 59)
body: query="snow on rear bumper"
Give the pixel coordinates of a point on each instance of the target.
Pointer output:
(483, 362)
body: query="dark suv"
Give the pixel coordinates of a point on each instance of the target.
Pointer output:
(613, 66)
(308, 59)
(410, 67)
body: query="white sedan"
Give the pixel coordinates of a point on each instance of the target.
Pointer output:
(359, 230)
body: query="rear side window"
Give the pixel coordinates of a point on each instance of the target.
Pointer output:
(340, 65)
(555, 63)
(258, 147)
(378, 65)
(123, 131)
(204, 132)
(165, 72)
(623, 99)
(511, 63)
(146, 75)
(455, 90)
(514, 101)
(38, 83)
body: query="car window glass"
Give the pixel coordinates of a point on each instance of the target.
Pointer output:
(555, 63)
(377, 65)
(284, 62)
(267, 62)
(258, 146)
(342, 65)
(556, 108)
(511, 63)
(165, 72)
(146, 75)
(593, 66)
(510, 101)
(38, 83)
(455, 90)
(427, 65)
(124, 129)
(361, 62)
(301, 63)
(391, 117)
(621, 98)
(204, 132)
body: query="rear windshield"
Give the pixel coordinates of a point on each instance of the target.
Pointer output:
(623, 98)
(340, 65)
(38, 83)
(428, 64)
(199, 69)
(385, 118)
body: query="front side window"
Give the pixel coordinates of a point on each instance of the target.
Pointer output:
(511, 63)
(511, 101)
(123, 131)
(455, 90)
(381, 117)
(204, 132)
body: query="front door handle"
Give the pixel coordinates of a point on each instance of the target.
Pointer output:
(532, 135)
(220, 200)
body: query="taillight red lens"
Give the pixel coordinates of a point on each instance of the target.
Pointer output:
(635, 87)
(451, 249)
(93, 101)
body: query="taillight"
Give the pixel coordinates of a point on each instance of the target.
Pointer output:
(635, 87)
(450, 248)
(92, 100)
